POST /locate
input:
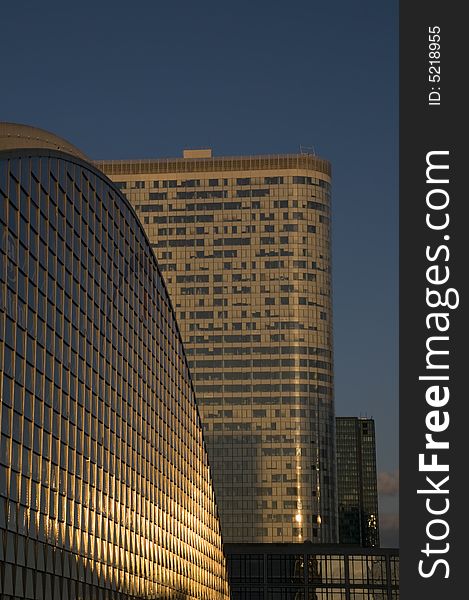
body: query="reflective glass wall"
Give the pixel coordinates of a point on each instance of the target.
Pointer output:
(357, 486)
(105, 487)
(302, 572)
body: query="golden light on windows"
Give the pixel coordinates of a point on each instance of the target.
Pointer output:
(122, 429)
(244, 245)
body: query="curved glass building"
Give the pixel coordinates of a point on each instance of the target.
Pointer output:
(105, 487)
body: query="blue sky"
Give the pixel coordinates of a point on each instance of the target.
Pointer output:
(147, 79)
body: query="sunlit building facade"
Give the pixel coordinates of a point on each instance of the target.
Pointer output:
(105, 486)
(357, 488)
(244, 244)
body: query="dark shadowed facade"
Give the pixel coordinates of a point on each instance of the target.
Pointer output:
(105, 487)
(357, 488)
(312, 572)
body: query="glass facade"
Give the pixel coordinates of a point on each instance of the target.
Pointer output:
(357, 488)
(244, 244)
(311, 572)
(105, 486)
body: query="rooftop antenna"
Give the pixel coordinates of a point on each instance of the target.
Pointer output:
(307, 150)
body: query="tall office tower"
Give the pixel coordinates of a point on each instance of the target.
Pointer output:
(357, 489)
(244, 243)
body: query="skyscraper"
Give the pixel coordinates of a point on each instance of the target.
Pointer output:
(244, 244)
(105, 487)
(356, 481)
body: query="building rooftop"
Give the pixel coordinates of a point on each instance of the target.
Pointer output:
(15, 136)
(202, 161)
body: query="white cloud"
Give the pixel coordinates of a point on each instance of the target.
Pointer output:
(388, 483)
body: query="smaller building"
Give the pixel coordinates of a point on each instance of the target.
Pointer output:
(357, 489)
(312, 572)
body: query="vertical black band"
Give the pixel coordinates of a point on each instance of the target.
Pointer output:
(433, 273)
